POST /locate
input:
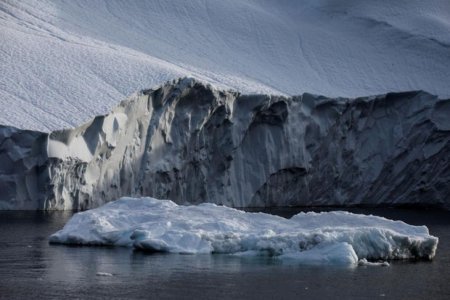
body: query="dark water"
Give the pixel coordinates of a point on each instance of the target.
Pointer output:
(30, 268)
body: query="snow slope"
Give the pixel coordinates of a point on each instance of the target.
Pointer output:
(63, 62)
(313, 238)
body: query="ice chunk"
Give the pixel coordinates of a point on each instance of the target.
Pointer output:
(365, 262)
(104, 274)
(315, 238)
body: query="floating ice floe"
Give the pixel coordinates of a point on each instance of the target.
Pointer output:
(312, 238)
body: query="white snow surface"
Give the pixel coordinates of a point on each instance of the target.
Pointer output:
(63, 62)
(340, 238)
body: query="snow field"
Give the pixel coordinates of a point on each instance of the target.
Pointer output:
(63, 62)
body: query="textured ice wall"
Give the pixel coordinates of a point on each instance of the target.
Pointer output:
(189, 142)
(23, 171)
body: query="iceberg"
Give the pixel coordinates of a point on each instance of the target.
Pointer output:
(336, 238)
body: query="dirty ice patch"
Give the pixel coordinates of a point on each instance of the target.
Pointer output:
(312, 238)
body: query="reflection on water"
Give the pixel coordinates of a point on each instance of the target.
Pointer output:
(30, 267)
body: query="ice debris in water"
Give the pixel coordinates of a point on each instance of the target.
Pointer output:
(312, 238)
(365, 262)
(104, 274)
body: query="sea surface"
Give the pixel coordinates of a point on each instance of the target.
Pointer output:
(30, 268)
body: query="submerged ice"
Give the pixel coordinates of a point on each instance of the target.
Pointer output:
(313, 238)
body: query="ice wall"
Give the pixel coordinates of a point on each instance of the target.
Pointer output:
(23, 171)
(189, 142)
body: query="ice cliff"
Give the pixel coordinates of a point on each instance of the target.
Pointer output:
(188, 142)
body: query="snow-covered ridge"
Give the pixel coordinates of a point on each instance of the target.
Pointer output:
(312, 238)
(63, 62)
(191, 143)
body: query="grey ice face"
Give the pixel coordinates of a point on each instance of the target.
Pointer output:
(191, 143)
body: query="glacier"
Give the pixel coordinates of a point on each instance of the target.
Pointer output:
(64, 62)
(190, 142)
(336, 238)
